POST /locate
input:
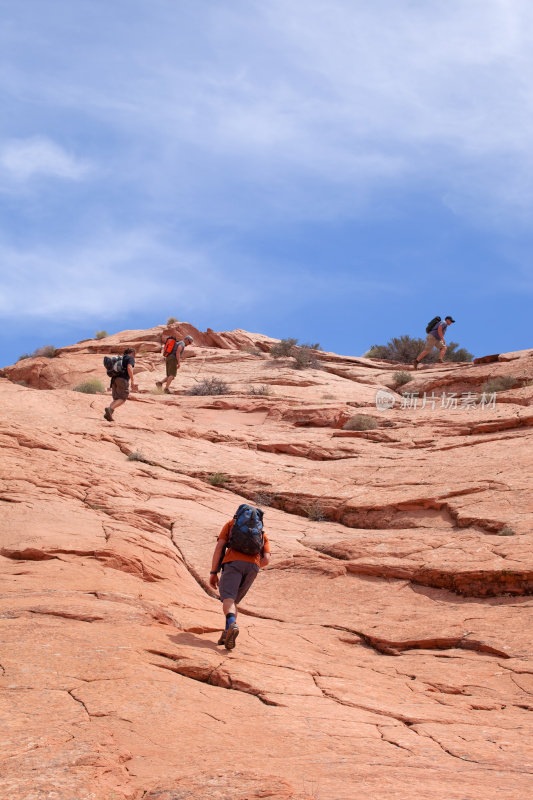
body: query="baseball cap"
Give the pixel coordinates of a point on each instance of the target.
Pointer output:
(448, 316)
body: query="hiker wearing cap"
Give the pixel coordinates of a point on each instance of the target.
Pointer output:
(241, 549)
(172, 350)
(120, 382)
(435, 338)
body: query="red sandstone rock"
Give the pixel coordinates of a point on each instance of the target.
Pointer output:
(385, 653)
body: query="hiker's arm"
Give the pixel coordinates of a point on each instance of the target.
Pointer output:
(130, 375)
(213, 577)
(441, 335)
(264, 561)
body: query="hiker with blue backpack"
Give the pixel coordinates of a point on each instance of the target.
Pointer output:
(435, 338)
(242, 548)
(172, 350)
(120, 370)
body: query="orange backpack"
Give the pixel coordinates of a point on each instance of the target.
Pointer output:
(170, 344)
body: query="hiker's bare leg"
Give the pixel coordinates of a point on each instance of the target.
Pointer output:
(168, 381)
(116, 404)
(228, 606)
(422, 355)
(442, 353)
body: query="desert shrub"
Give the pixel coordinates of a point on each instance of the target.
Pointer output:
(506, 531)
(92, 386)
(100, 334)
(360, 422)
(261, 499)
(304, 358)
(253, 351)
(401, 378)
(315, 512)
(499, 384)
(137, 455)
(217, 479)
(405, 349)
(172, 321)
(209, 386)
(23, 356)
(262, 390)
(315, 346)
(48, 351)
(284, 348)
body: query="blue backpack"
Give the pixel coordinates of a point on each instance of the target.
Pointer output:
(247, 531)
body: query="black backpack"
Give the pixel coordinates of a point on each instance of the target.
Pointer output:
(113, 366)
(432, 324)
(247, 531)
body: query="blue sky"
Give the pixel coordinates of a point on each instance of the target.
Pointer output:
(337, 171)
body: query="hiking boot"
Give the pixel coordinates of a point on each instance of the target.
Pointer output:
(167, 391)
(108, 414)
(222, 638)
(159, 384)
(231, 635)
(416, 362)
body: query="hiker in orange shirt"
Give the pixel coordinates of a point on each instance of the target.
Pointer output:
(172, 350)
(239, 569)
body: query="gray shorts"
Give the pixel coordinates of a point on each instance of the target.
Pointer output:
(236, 579)
(431, 342)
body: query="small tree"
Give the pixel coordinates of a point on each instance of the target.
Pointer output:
(100, 334)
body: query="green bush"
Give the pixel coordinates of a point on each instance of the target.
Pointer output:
(23, 356)
(284, 348)
(92, 386)
(499, 384)
(209, 386)
(217, 479)
(172, 321)
(100, 334)
(401, 378)
(405, 349)
(360, 422)
(315, 346)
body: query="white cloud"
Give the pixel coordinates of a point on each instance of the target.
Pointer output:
(295, 108)
(23, 159)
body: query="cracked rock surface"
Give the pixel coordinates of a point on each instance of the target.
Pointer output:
(387, 650)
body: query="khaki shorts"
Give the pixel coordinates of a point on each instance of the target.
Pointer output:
(120, 389)
(171, 363)
(431, 342)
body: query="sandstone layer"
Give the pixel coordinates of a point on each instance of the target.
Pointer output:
(386, 652)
